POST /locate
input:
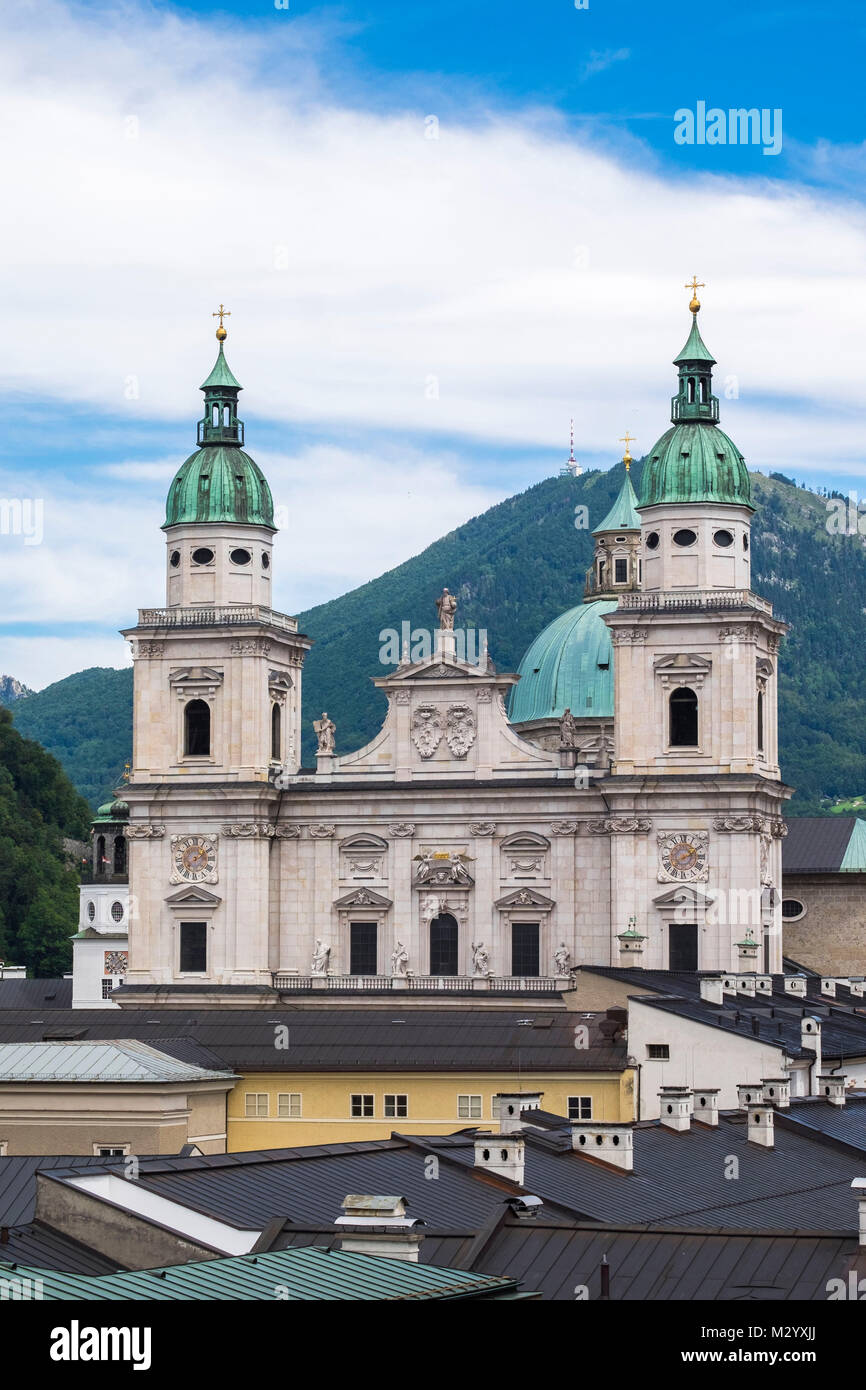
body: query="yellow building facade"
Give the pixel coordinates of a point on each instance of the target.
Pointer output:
(275, 1110)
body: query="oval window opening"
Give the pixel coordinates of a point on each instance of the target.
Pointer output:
(175, 559)
(745, 542)
(723, 538)
(240, 557)
(202, 556)
(792, 908)
(685, 537)
(652, 540)
(266, 560)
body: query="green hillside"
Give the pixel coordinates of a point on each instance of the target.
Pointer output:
(39, 809)
(514, 568)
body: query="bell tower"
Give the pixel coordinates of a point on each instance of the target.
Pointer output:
(216, 721)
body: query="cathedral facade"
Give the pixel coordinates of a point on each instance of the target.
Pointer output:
(618, 800)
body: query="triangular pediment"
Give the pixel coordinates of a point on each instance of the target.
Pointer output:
(682, 661)
(193, 897)
(362, 897)
(684, 895)
(525, 897)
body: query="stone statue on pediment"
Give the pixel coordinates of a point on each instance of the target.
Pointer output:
(446, 607)
(325, 729)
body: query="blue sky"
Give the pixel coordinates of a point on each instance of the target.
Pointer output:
(442, 231)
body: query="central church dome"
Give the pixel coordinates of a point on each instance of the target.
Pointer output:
(568, 666)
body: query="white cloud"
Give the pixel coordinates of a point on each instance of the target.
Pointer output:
(482, 286)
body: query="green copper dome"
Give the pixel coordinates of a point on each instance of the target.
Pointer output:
(622, 515)
(219, 482)
(695, 461)
(568, 666)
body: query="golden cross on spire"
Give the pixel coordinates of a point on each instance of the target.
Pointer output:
(627, 439)
(220, 314)
(694, 286)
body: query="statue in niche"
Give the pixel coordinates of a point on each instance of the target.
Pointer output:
(446, 607)
(325, 729)
(399, 959)
(480, 959)
(321, 957)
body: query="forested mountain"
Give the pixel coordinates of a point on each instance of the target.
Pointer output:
(514, 568)
(39, 810)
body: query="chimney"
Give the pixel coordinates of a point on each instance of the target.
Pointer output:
(512, 1104)
(706, 1105)
(612, 1142)
(503, 1154)
(749, 1093)
(675, 1108)
(776, 1090)
(763, 985)
(729, 984)
(810, 1036)
(712, 989)
(856, 985)
(746, 985)
(828, 987)
(832, 1087)
(760, 1122)
(859, 1187)
(379, 1226)
(796, 984)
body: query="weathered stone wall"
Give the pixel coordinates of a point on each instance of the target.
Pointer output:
(831, 936)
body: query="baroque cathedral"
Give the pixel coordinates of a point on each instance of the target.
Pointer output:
(617, 800)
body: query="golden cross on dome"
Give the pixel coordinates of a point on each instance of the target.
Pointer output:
(220, 314)
(627, 439)
(694, 286)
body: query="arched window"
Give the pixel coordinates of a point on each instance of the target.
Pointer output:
(276, 741)
(215, 415)
(227, 416)
(760, 721)
(703, 390)
(684, 718)
(443, 945)
(691, 390)
(196, 729)
(100, 855)
(119, 854)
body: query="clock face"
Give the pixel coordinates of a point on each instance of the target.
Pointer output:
(194, 858)
(684, 856)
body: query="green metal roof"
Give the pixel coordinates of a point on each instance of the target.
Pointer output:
(854, 858)
(568, 666)
(219, 482)
(303, 1274)
(125, 1060)
(695, 462)
(221, 374)
(622, 515)
(695, 349)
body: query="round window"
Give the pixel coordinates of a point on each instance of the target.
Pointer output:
(240, 557)
(652, 540)
(266, 560)
(685, 537)
(745, 542)
(175, 559)
(723, 538)
(202, 556)
(792, 908)
(91, 911)
(117, 911)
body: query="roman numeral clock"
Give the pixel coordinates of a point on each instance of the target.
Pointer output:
(683, 856)
(193, 859)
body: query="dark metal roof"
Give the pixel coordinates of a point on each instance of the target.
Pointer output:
(843, 1124)
(18, 1181)
(777, 1017)
(37, 1245)
(401, 1038)
(36, 994)
(816, 844)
